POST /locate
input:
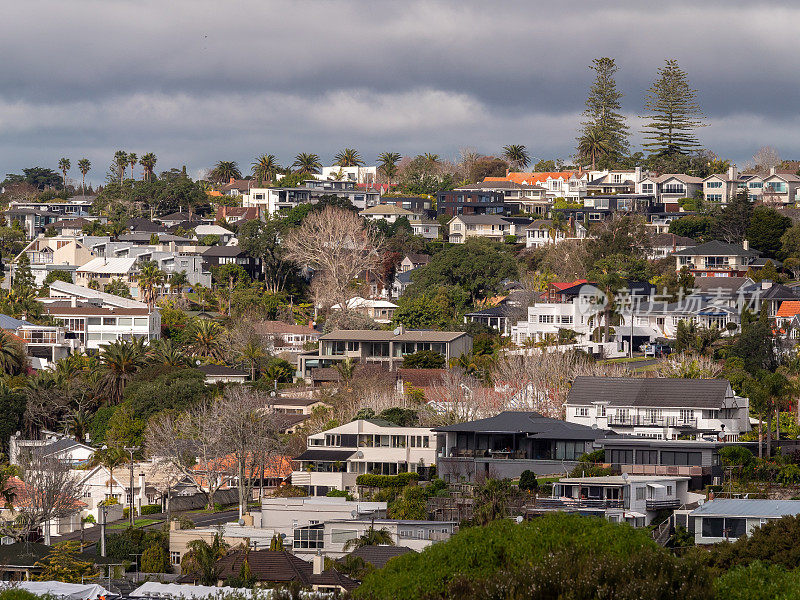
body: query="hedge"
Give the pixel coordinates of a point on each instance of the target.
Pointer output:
(151, 509)
(387, 481)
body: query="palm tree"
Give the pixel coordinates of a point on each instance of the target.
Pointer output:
(201, 559)
(133, 160)
(64, 165)
(224, 171)
(371, 537)
(387, 163)
(594, 143)
(431, 158)
(206, 339)
(307, 163)
(84, 166)
(13, 359)
(119, 362)
(265, 167)
(608, 279)
(252, 352)
(178, 281)
(77, 424)
(110, 458)
(150, 279)
(349, 157)
(166, 352)
(121, 160)
(148, 162)
(517, 155)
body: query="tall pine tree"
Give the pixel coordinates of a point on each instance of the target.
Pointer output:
(674, 113)
(603, 139)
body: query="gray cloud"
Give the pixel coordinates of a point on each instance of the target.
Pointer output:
(198, 80)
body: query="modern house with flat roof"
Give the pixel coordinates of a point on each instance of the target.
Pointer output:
(385, 348)
(510, 443)
(336, 457)
(661, 408)
(728, 519)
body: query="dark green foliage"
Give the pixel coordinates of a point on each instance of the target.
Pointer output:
(736, 456)
(402, 417)
(387, 481)
(134, 541)
(693, 226)
(603, 115)
(12, 407)
(57, 275)
(758, 581)
(766, 227)
(485, 554)
(528, 481)
(13, 593)
(155, 559)
(754, 346)
(734, 220)
(411, 503)
(424, 359)
(161, 388)
(774, 542)
(441, 307)
(99, 424)
(487, 166)
(278, 369)
(151, 509)
(477, 267)
(118, 288)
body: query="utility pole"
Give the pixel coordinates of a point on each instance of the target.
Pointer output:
(103, 515)
(130, 450)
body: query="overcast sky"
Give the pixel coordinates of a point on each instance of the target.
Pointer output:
(197, 81)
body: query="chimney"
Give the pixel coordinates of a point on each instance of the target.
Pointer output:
(772, 170)
(232, 180)
(637, 174)
(174, 525)
(73, 302)
(318, 564)
(142, 488)
(732, 174)
(746, 245)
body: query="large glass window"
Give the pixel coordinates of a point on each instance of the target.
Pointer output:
(307, 537)
(713, 184)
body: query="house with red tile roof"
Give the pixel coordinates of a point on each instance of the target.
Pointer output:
(570, 185)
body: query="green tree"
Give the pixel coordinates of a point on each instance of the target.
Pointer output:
(265, 168)
(150, 280)
(492, 500)
(262, 239)
(12, 406)
(307, 164)
(121, 162)
(224, 171)
(177, 281)
(201, 559)
(766, 229)
(528, 481)
(387, 163)
(693, 226)
(674, 113)
(424, 359)
(118, 288)
(133, 160)
(119, 362)
(64, 166)
(155, 560)
(13, 359)
(57, 275)
(148, 162)
(84, 166)
(349, 157)
(604, 133)
(64, 563)
(205, 339)
(371, 537)
(758, 581)
(410, 504)
(517, 155)
(125, 428)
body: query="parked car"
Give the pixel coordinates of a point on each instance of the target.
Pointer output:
(656, 350)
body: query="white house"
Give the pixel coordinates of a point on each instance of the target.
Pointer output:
(381, 311)
(362, 175)
(728, 519)
(545, 231)
(387, 212)
(633, 499)
(336, 457)
(659, 408)
(492, 227)
(670, 187)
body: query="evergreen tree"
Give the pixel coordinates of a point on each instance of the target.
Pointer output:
(603, 118)
(732, 223)
(673, 112)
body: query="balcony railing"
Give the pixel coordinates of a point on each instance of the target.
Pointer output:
(662, 504)
(558, 503)
(645, 421)
(484, 453)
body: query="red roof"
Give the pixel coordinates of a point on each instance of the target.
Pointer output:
(532, 178)
(561, 285)
(789, 308)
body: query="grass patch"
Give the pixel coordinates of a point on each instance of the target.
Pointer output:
(626, 359)
(138, 523)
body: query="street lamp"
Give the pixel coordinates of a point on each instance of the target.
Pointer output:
(130, 450)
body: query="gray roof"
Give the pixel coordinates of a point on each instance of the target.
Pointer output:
(482, 219)
(378, 556)
(10, 323)
(720, 285)
(320, 454)
(741, 507)
(379, 335)
(221, 370)
(531, 423)
(717, 248)
(63, 444)
(656, 392)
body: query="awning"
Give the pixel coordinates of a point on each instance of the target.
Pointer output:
(152, 589)
(655, 485)
(65, 591)
(638, 515)
(326, 455)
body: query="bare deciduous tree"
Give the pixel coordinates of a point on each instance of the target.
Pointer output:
(49, 490)
(338, 248)
(766, 158)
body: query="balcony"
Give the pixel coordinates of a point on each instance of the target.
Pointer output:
(662, 504)
(644, 421)
(562, 503)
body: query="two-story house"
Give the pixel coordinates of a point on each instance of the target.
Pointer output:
(720, 188)
(660, 408)
(335, 458)
(386, 212)
(385, 348)
(570, 185)
(492, 227)
(466, 202)
(523, 198)
(670, 187)
(614, 181)
(718, 259)
(547, 231)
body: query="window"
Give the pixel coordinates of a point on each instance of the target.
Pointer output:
(714, 197)
(669, 490)
(674, 188)
(175, 558)
(601, 410)
(569, 450)
(687, 415)
(545, 318)
(640, 491)
(566, 319)
(647, 457)
(616, 178)
(713, 184)
(582, 411)
(729, 528)
(647, 188)
(140, 322)
(622, 457)
(755, 185)
(308, 537)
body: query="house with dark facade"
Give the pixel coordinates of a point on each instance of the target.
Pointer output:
(216, 256)
(510, 443)
(466, 202)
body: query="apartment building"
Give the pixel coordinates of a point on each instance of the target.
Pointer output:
(522, 198)
(336, 457)
(662, 408)
(465, 202)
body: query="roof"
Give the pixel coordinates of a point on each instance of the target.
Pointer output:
(482, 219)
(10, 323)
(637, 391)
(211, 230)
(532, 178)
(720, 284)
(380, 335)
(490, 183)
(221, 370)
(421, 378)
(620, 480)
(71, 223)
(730, 507)
(717, 248)
(279, 327)
(320, 454)
(789, 308)
(531, 423)
(565, 285)
(224, 251)
(378, 556)
(779, 292)
(62, 445)
(137, 224)
(108, 266)
(418, 259)
(386, 209)
(90, 309)
(679, 176)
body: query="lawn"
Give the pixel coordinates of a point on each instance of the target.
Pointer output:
(138, 523)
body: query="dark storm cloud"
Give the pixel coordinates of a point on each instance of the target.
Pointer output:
(196, 81)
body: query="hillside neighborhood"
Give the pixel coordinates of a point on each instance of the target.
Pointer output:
(379, 375)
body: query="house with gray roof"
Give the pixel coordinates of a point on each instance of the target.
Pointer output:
(488, 226)
(509, 443)
(660, 408)
(719, 259)
(728, 519)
